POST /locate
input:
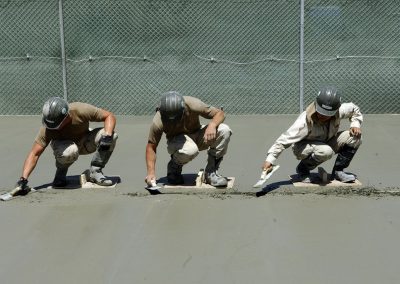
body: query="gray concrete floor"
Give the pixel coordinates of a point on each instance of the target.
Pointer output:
(125, 235)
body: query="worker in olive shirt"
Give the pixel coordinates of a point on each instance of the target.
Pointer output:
(66, 129)
(178, 117)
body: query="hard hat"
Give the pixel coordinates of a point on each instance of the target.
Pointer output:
(328, 101)
(55, 110)
(172, 107)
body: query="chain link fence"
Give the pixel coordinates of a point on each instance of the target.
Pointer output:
(354, 45)
(242, 55)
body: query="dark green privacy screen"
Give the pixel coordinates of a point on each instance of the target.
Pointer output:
(356, 46)
(241, 55)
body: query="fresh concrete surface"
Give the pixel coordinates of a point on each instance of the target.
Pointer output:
(126, 235)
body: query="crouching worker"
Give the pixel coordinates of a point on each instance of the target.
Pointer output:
(66, 129)
(178, 117)
(315, 136)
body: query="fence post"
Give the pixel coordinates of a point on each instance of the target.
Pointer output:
(301, 57)
(63, 60)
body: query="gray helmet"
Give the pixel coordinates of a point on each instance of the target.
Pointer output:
(55, 110)
(172, 107)
(328, 101)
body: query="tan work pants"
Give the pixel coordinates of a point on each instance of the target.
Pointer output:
(186, 147)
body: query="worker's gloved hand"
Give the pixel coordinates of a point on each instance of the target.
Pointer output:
(105, 142)
(22, 183)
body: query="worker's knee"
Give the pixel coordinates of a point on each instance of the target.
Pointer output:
(322, 153)
(65, 152)
(186, 154)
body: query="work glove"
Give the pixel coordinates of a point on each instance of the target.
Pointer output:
(105, 142)
(22, 184)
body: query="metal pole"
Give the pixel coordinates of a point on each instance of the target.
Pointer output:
(64, 67)
(301, 55)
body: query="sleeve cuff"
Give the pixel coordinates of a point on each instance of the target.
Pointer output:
(355, 124)
(271, 159)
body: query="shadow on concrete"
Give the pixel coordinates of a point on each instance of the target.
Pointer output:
(189, 180)
(189, 186)
(272, 186)
(73, 182)
(69, 186)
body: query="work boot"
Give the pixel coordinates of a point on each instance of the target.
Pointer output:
(304, 167)
(60, 178)
(344, 157)
(96, 176)
(303, 173)
(174, 173)
(344, 177)
(212, 177)
(99, 160)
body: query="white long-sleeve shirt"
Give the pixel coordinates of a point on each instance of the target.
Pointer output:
(306, 128)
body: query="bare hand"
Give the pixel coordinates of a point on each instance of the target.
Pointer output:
(150, 179)
(210, 134)
(267, 166)
(355, 131)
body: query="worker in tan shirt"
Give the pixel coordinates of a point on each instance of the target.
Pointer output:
(178, 117)
(66, 129)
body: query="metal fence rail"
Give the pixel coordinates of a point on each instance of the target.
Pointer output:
(243, 55)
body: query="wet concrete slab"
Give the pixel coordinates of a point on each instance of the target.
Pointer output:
(99, 238)
(277, 234)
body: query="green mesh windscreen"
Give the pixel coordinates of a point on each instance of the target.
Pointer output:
(30, 69)
(241, 55)
(354, 45)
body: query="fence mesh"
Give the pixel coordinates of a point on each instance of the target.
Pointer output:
(29, 55)
(354, 45)
(242, 55)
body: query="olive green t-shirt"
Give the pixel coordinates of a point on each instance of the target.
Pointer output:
(81, 114)
(190, 123)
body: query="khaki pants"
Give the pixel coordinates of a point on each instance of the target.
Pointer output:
(66, 151)
(186, 147)
(324, 151)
